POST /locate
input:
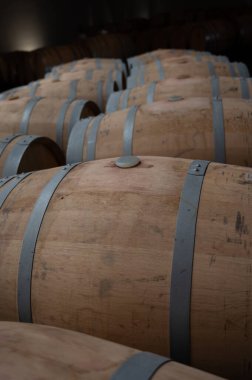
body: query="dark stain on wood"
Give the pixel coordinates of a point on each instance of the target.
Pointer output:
(105, 287)
(157, 230)
(240, 227)
(108, 258)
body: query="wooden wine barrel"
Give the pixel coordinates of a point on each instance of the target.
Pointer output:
(97, 92)
(90, 64)
(49, 56)
(142, 41)
(44, 117)
(95, 75)
(16, 68)
(3, 72)
(161, 54)
(127, 45)
(49, 353)
(244, 22)
(192, 87)
(161, 70)
(46, 58)
(25, 153)
(71, 51)
(110, 45)
(214, 35)
(10, 94)
(97, 46)
(99, 248)
(179, 35)
(200, 128)
(210, 60)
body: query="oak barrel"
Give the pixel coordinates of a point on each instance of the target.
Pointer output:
(174, 54)
(48, 353)
(191, 87)
(160, 70)
(96, 91)
(22, 153)
(215, 35)
(44, 116)
(95, 75)
(203, 128)
(111, 45)
(49, 56)
(90, 63)
(16, 68)
(158, 54)
(100, 248)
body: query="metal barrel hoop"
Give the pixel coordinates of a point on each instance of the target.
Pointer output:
(140, 366)
(160, 69)
(100, 94)
(211, 69)
(231, 68)
(6, 191)
(113, 102)
(242, 70)
(76, 141)
(151, 92)
(60, 121)
(182, 263)
(28, 249)
(4, 142)
(98, 63)
(13, 160)
(219, 130)
(91, 143)
(128, 131)
(73, 85)
(33, 88)
(244, 88)
(76, 114)
(23, 127)
(215, 85)
(125, 99)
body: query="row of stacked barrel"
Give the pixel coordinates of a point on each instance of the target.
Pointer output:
(151, 250)
(228, 31)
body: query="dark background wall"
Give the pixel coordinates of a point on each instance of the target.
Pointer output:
(29, 24)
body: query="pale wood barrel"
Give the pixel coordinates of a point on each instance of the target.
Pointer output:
(25, 153)
(96, 91)
(191, 87)
(90, 63)
(48, 353)
(203, 128)
(95, 75)
(161, 54)
(100, 249)
(44, 117)
(160, 70)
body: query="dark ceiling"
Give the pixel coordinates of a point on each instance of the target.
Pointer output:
(29, 24)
